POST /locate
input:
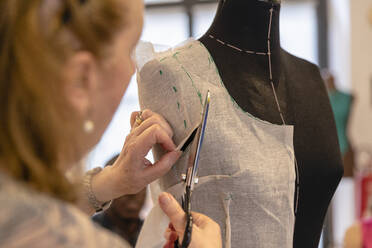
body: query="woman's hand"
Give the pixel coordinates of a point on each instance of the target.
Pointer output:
(205, 232)
(132, 171)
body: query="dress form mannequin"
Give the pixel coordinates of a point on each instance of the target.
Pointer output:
(245, 45)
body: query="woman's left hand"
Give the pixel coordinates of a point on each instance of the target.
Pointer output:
(132, 171)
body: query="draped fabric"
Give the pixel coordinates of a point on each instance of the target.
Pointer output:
(246, 169)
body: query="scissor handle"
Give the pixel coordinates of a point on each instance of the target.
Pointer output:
(186, 205)
(187, 235)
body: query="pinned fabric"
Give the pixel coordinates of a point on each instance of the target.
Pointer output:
(246, 169)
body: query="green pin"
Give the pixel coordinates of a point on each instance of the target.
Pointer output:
(175, 89)
(200, 97)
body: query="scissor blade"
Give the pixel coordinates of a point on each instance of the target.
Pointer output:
(202, 132)
(189, 140)
(197, 144)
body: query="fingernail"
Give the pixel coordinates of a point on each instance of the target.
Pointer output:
(164, 199)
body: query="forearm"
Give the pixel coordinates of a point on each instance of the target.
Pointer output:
(102, 186)
(84, 205)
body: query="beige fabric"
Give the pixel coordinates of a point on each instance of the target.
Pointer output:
(29, 219)
(246, 170)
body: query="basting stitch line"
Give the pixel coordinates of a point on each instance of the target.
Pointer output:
(236, 48)
(189, 76)
(175, 91)
(193, 84)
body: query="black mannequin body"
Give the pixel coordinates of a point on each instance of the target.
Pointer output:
(238, 41)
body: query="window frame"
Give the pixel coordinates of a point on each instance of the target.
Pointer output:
(321, 10)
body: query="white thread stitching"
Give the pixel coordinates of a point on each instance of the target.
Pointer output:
(236, 48)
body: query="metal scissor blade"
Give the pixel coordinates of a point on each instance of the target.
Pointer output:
(189, 140)
(196, 146)
(192, 169)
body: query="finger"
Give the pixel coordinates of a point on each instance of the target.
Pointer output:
(170, 235)
(200, 220)
(171, 226)
(173, 237)
(147, 162)
(147, 113)
(153, 120)
(204, 222)
(167, 233)
(161, 167)
(174, 211)
(152, 136)
(133, 118)
(170, 243)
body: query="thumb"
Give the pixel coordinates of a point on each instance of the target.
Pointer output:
(173, 210)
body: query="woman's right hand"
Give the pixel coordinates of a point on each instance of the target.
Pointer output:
(132, 172)
(205, 232)
(136, 170)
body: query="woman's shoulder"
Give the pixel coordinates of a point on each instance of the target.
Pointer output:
(28, 217)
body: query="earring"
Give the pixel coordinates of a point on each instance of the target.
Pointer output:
(88, 126)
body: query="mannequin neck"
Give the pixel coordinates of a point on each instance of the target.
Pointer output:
(246, 24)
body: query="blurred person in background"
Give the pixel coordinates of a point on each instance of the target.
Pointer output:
(123, 216)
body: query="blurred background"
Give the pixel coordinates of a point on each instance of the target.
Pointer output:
(334, 34)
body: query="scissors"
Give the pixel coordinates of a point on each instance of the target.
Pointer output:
(190, 178)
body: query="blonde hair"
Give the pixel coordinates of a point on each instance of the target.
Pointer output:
(37, 126)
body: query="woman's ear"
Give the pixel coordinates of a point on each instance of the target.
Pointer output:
(80, 81)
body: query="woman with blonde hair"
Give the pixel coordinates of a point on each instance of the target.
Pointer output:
(64, 67)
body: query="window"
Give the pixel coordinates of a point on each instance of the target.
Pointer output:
(298, 29)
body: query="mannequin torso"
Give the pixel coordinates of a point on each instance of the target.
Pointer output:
(245, 44)
(247, 75)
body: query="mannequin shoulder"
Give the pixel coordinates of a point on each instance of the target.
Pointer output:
(300, 66)
(168, 70)
(161, 68)
(304, 74)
